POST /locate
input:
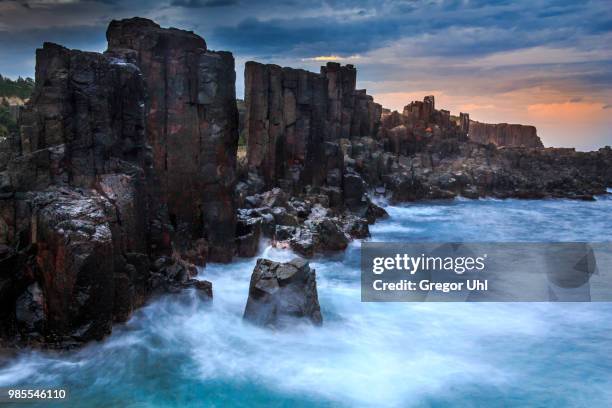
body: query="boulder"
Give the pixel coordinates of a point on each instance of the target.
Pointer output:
(281, 293)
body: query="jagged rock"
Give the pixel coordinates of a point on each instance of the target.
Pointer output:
(354, 191)
(280, 293)
(283, 233)
(282, 217)
(303, 242)
(331, 236)
(80, 202)
(274, 198)
(248, 234)
(356, 227)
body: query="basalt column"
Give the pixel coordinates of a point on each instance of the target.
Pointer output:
(342, 81)
(285, 118)
(191, 123)
(74, 211)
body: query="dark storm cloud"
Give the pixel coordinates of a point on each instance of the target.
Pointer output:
(451, 30)
(203, 3)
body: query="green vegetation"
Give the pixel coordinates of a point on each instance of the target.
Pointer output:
(20, 88)
(7, 123)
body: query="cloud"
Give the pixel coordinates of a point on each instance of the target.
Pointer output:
(496, 57)
(204, 3)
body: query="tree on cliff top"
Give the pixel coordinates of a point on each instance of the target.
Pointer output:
(20, 88)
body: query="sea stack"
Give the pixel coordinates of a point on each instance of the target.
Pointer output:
(281, 293)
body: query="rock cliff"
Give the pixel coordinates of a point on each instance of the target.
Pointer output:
(504, 134)
(191, 126)
(84, 235)
(286, 124)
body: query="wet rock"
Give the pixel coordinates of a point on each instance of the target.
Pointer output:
(203, 288)
(248, 235)
(282, 217)
(330, 234)
(29, 311)
(303, 242)
(281, 293)
(356, 227)
(283, 233)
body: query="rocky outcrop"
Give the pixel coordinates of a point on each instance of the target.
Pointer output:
(504, 134)
(281, 293)
(286, 125)
(304, 223)
(419, 123)
(351, 112)
(84, 236)
(191, 126)
(450, 168)
(296, 118)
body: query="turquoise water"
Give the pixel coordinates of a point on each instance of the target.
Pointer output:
(178, 351)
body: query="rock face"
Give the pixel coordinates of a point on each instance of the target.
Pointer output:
(351, 112)
(420, 122)
(280, 293)
(448, 168)
(84, 237)
(191, 123)
(285, 116)
(503, 134)
(296, 118)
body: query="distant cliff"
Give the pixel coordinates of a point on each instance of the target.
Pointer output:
(504, 134)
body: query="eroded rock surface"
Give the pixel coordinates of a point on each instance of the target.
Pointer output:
(281, 293)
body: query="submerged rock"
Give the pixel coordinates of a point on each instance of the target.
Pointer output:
(279, 293)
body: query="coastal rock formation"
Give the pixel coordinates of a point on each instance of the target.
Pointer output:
(305, 224)
(419, 123)
(296, 118)
(84, 237)
(449, 168)
(191, 126)
(504, 134)
(285, 120)
(351, 112)
(280, 293)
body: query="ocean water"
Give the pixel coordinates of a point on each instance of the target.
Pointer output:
(178, 351)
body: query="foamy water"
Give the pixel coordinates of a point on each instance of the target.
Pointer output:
(178, 351)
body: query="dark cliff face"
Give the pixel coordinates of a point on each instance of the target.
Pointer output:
(76, 203)
(285, 116)
(504, 134)
(85, 234)
(295, 120)
(191, 125)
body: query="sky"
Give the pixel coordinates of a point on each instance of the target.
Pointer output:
(540, 62)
